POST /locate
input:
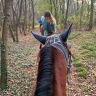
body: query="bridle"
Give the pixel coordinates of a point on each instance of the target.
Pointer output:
(56, 41)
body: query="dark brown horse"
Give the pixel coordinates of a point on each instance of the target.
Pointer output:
(53, 65)
(41, 30)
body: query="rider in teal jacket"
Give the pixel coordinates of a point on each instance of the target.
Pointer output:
(49, 24)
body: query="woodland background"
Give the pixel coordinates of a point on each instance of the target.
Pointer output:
(19, 49)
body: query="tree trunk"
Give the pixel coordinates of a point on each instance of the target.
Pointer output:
(88, 9)
(55, 3)
(4, 41)
(3, 4)
(29, 15)
(63, 7)
(91, 15)
(81, 13)
(18, 21)
(25, 18)
(11, 32)
(66, 16)
(50, 5)
(33, 12)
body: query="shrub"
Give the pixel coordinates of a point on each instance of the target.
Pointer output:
(77, 64)
(82, 74)
(80, 69)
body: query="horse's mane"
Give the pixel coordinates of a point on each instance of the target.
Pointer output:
(45, 73)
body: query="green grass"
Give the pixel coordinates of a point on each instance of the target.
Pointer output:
(86, 42)
(88, 54)
(84, 51)
(89, 46)
(82, 74)
(75, 35)
(80, 68)
(33, 48)
(89, 49)
(77, 64)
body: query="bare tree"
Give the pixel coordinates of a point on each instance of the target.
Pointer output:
(66, 16)
(33, 13)
(55, 3)
(25, 17)
(91, 15)
(4, 40)
(18, 20)
(81, 13)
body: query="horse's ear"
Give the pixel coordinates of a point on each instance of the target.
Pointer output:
(42, 39)
(64, 35)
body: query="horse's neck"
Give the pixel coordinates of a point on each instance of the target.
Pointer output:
(59, 67)
(44, 78)
(52, 72)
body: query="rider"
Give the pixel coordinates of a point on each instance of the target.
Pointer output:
(49, 24)
(41, 20)
(41, 25)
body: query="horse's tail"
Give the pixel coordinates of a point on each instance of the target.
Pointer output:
(45, 73)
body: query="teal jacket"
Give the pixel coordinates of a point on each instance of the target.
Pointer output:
(48, 28)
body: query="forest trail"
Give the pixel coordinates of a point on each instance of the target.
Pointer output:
(22, 67)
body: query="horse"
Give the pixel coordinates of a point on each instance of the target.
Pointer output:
(41, 30)
(53, 65)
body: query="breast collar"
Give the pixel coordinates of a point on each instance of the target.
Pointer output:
(55, 41)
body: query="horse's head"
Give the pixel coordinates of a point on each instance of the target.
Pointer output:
(54, 58)
(63, 36)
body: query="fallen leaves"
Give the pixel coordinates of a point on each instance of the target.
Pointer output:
(85, 85)
(22, 68)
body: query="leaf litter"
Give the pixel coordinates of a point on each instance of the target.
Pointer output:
(22, 68)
